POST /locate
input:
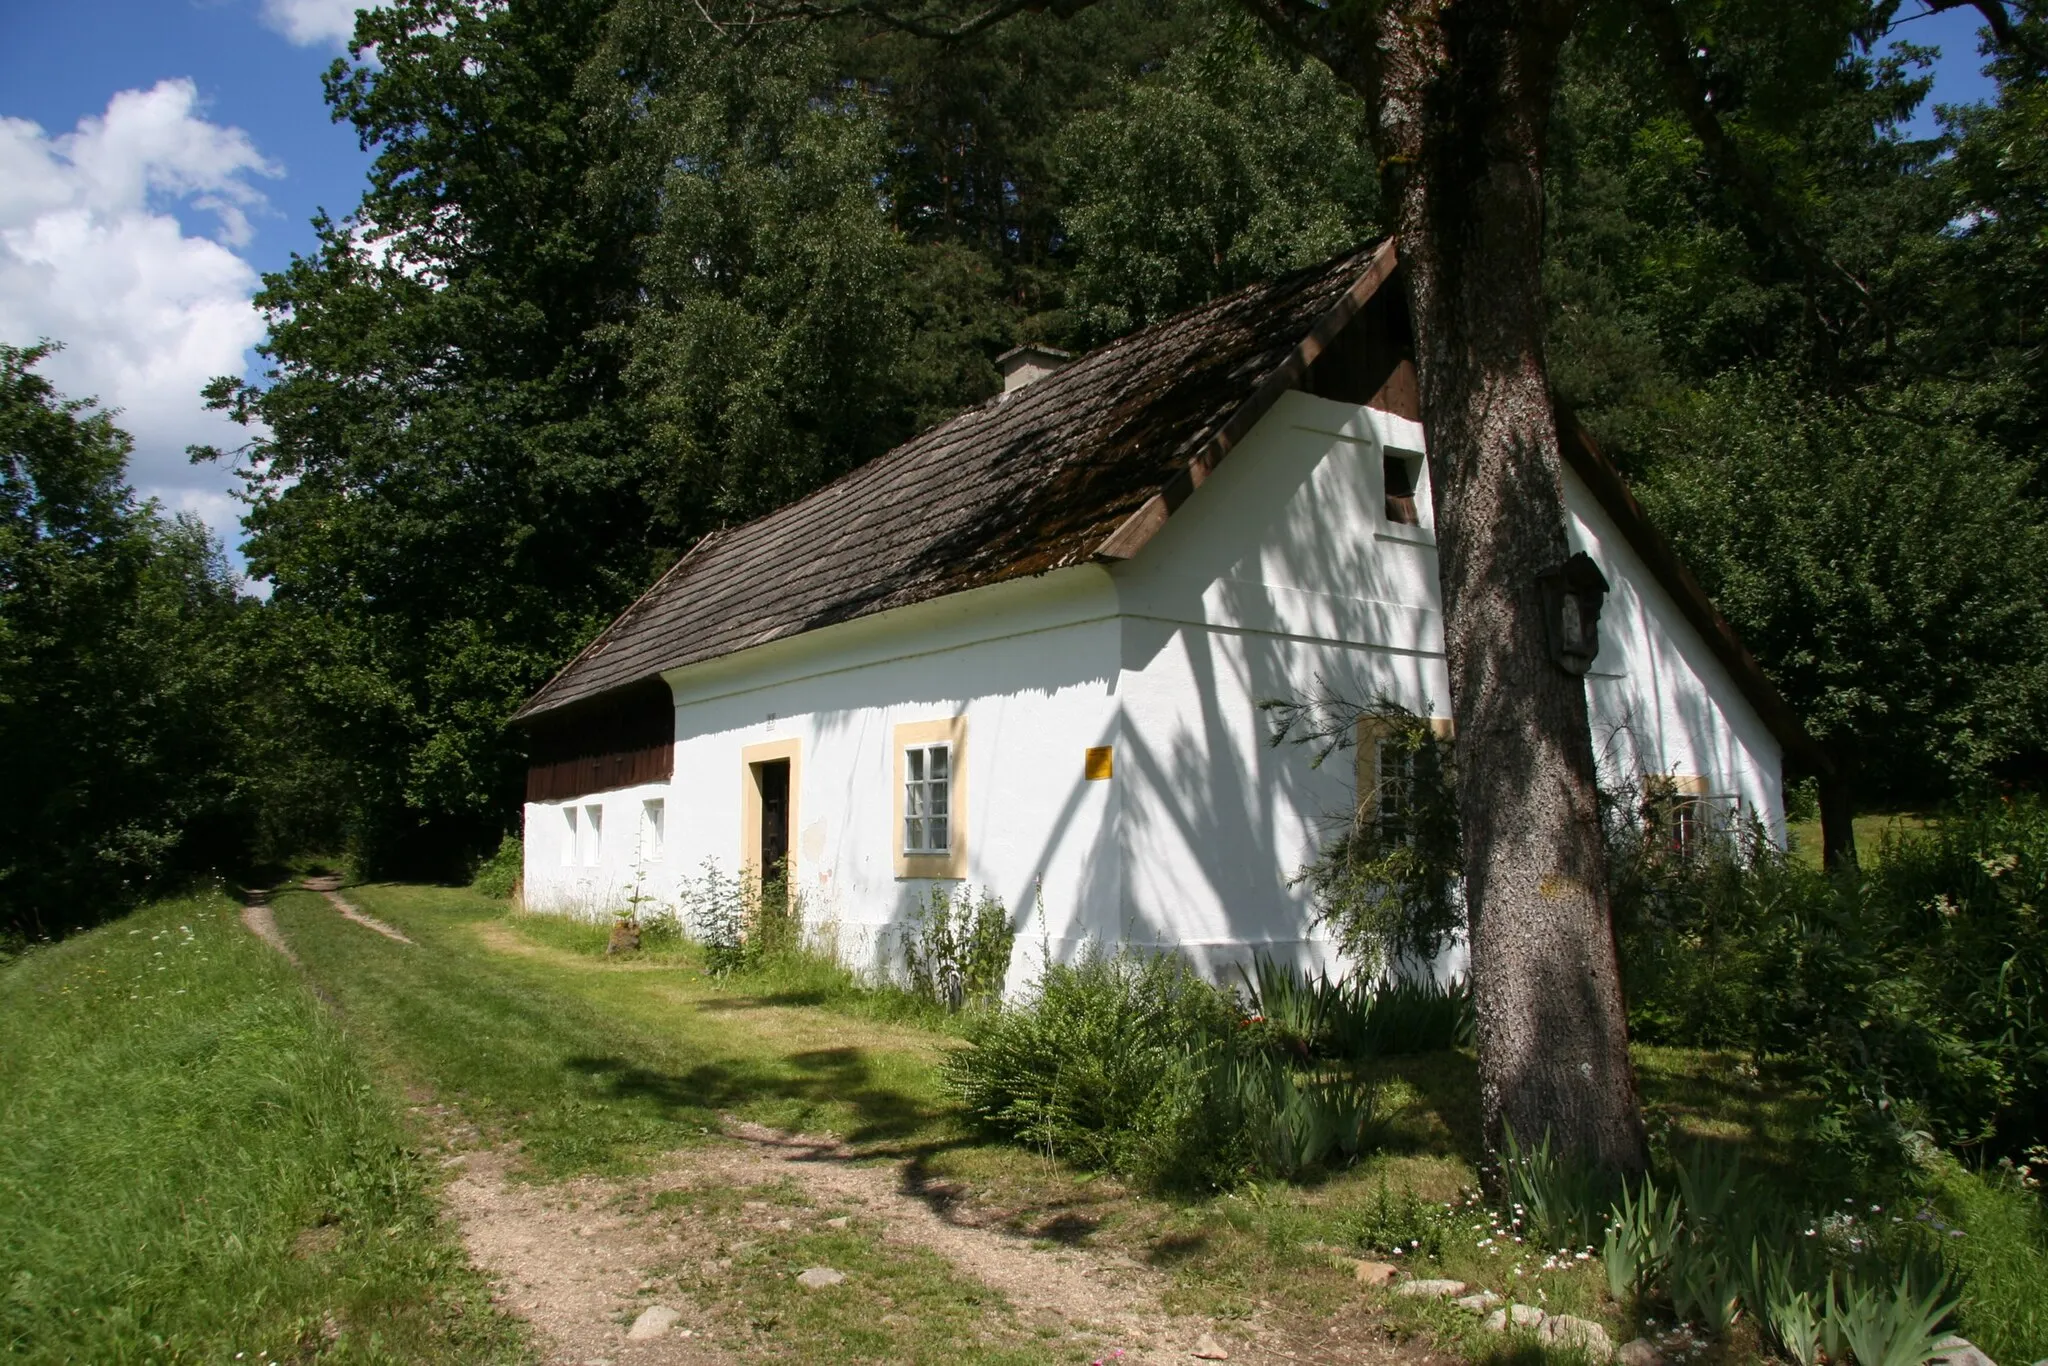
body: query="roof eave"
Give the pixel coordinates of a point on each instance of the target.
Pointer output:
(1141, 526)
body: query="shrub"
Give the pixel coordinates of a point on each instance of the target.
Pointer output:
(498, 875)
(956, 949)
(1388, 889)
(1911, 997)
(1105, 1065)
(740, 924)
(1134, 1065)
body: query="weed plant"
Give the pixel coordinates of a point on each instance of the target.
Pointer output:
(498, 875)
(956, 948)
(1353, 1020)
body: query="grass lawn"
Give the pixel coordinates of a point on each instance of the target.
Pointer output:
(1872, 830)
(198, 1157)
(196, 1165)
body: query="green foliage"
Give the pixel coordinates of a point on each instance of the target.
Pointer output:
(956, 947)
(1135, 1065)
(121, 633)
(1233, 162)
(1896, 1329)
(1558, 1202)
(741, 923)
(196, 1165)
(1854, 551)
(1355, 1021)
(1910, 997)
(1992, 1230)
(498, 875)
(1388, 882)
(1110, 1064)
(445, 464)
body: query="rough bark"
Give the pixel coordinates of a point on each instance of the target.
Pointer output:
(1838, 818)
(1463, 93)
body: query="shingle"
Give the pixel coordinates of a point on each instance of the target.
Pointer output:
(1025, 483)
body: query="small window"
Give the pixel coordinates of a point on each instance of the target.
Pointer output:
(1393, 787)
(653, 815)
(570, 835)
(591, 847)
(1682, 818)
(1400, 471)
(927, 799)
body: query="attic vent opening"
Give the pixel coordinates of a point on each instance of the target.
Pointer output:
(1400, 475)
(1021, 365)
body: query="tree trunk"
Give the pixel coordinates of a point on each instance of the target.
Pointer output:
(1464, 93)
(1838, 817)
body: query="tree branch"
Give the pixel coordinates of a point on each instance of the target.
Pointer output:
(927, 22)
(1682, 82)
(2009, 38)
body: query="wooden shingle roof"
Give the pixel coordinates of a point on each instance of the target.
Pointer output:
(1081, 464)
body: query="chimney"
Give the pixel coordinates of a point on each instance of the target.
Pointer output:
(1023, 364)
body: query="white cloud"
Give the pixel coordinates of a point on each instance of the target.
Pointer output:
(313, 23)
(91, 256)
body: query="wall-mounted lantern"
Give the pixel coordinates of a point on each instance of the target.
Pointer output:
(1572, 595)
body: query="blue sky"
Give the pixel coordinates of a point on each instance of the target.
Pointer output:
(157, 155)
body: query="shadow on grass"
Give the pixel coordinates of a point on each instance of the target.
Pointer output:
(841, 1076)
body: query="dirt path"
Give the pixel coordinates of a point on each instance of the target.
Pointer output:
(261, 923)
(581, 1260)
(330, 887)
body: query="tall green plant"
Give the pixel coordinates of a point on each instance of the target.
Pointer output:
(957, 947)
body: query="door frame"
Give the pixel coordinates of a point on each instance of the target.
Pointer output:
(751, 759)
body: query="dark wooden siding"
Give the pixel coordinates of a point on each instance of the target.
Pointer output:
(619, 739)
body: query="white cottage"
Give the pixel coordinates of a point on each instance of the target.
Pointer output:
(1025, 651)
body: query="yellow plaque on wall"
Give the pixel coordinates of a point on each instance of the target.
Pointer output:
(1099, 763)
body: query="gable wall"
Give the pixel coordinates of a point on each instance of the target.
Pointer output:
(1281, 574)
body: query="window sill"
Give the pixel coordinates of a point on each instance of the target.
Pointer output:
(1408, 536)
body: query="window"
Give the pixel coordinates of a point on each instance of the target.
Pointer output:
(1400, 472)
(591, 845)
(1681, 817)
(929, 771)
(570, 825)
(1393, 766)
(927, 799)
(1387, 754)
(653, 815)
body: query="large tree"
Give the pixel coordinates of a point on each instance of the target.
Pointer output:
(120, 634)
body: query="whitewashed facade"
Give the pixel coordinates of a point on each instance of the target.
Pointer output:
(1280, 571)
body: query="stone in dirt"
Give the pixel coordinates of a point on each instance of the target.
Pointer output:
(1959, 1351)
(1377, 1273)
(652, 1323)
(1480, 1302)
(1522, 1315)
(818, 1277)
(841, 1221)
(1562, 1330)
(1208, 1348)
(1639, 1352)
(1433, 1290)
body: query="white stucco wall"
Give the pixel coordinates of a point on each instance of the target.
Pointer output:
(1279, 572)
